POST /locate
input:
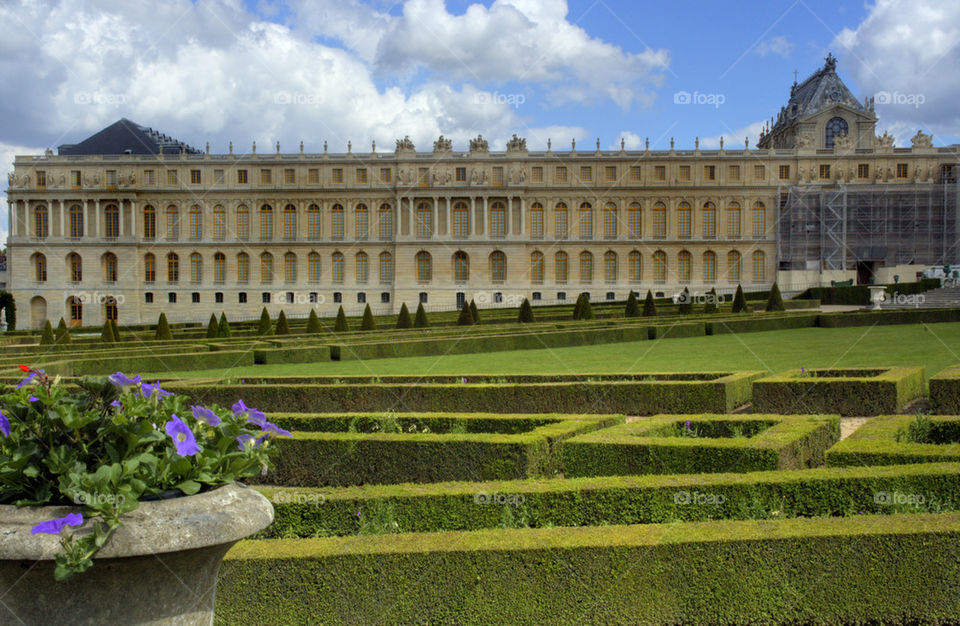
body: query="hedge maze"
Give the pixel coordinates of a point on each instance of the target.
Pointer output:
(898, 439)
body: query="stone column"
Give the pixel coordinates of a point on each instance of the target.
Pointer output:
(63, 220)
(133, 218)
(522, 216)
(482, 218)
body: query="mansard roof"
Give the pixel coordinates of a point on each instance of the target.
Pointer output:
(126, 137)
(820, 91)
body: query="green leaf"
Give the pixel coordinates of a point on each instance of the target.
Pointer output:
(189, 487)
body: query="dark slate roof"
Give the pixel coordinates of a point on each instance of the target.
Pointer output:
(126, 137)
(821, 90)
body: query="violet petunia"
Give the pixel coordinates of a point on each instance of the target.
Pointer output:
(147, 390)
(183, 439)
(272, 429)
(245, 442)
(54, 526)
(205, 415)
(116, 404)
(239, 408)
(4, 425)
(26, 380)
(33, 399)
(122, 380)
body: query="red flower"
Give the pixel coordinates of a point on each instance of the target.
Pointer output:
(24, 368)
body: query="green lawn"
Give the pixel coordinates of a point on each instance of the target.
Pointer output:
(934, 346)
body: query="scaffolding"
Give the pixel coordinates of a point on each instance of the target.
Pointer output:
(841, 226)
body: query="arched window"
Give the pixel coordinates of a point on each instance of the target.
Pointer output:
(709, 221)
(733, 266)
(684, 221)
(610, 221)
(461, 266)
(560, 266)
(560, 222)
(149, 268)
(586, 221)
(610, 266)
(363, 267)
(313, 222)
(336, 267)
(586, 267)
(243, 267)
(111, 221)
(313, 267)
(243, 223)
(709, 267)
(289, 267)
(635, 220)
(76, 267)
(424, 221)
(498, 266)
(759, 266)
(196, 223)
(336, 222)
(836, 127)
(361, 222)
(386, 222)
(498, 220)
(386, 267)
(659, 266)
(266, 267)
(759, 220)
(536, 267)
(196, 268)
(636, 266)
(733, 221)
(290, 222)
(76, 311)
(76, 222)
(173, 268)
(219, 223)
(461, 220)
(536, 221)
(219, 267)
(173, 223)
(40, 267)
(41, 221)
(424, 267)
(659, 221)
(266, 222)
(683, 266)
(110, 267)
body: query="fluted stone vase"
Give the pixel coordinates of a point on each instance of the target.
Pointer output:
(159, 567)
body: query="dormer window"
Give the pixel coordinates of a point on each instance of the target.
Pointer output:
(836, 127)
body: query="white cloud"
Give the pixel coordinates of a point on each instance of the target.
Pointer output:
(631, 141)
(908, 50)
(775, 45)
(733, 140)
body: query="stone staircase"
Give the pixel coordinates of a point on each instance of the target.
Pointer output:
(942, 298)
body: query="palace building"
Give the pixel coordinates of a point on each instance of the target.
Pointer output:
(130, 222)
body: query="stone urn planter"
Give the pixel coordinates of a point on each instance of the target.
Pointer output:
(159, 567)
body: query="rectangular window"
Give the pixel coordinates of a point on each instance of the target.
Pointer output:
(610, 173)
(219, 224)
(863, 170)
(759, 172)
(42, 178)
(385, 175)
(171, 177)
(710, 172)
(733, 172)
(635, 173)
(536, 224)
(242, 177)
(313, 176)
(560, 174)
(784, 172)
(75, 180)
(660, 172)
(536, 174)
(461, 174)
(824, 172)
(218, 177)
(586, 173)
(111, 179)
(266, 177)
(684, 172)
(194, 177)
(901, 170)
(313, 224)
(336, 175)
(560, 224)
(361, 176)
(498, 177)
(289, 176)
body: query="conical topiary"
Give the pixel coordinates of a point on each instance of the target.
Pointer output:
(106, 335)
(686, 303)
(713, 302)
(577, 307)
(62, 333)
(368, 323)
(282, 327)
(474, 312)
(340, 325)
(649, 306)
(46, 336)
(213, 328)
(116, 330)
(739, 301)
(526, 312)
(420, 319)
(466, 317)
(774, 300)
(313, 323)
(633, 307)
(265, 326)
(586, 311)
(223, 328)
(163, 329)
(403, 319)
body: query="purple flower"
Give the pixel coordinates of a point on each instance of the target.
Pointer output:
(33, 399)
(183, 439)
(4, 425)
(26, 380)
(239, 408)
(116, 404)
(687, 424)
(245, 442)
(147, 390)
(122, 380)
(205, 415)
(254, 416)
(54, 526)
(270, 428)
(803, 370)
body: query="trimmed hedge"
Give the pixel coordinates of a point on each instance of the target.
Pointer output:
(653, 394)
(875, 443)
(945, 392)
(320, 457)
(652, 446)
(606, 500)
(823, 571)
(847, 392)
(883, 318)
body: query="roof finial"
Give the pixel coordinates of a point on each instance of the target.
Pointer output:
(254, 146)
(231, 147)
(301, 146)
(373, 146)
(721, 142)
(349, 147)
(278, 146)
(830, 64)
(549, 143)
(324, 146)
(208, 147)
(573, 144)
